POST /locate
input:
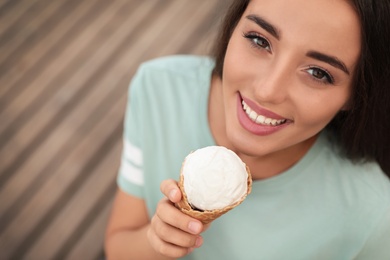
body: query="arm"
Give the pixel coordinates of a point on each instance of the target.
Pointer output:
(170, 233)
(126, 230)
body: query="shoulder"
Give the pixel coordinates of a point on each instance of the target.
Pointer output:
(371, 180)
(172, 73)
(364, 181)
(373, 202)
(177, 64)
(359, 192)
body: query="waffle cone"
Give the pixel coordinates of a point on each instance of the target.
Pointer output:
(207, 216)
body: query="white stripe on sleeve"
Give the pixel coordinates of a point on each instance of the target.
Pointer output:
(132, 174)
(132, 153)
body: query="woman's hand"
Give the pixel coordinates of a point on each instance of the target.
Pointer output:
(173, 233)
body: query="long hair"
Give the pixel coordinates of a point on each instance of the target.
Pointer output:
(364, 130)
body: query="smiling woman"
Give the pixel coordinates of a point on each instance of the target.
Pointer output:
(284, 69)
(301, 99)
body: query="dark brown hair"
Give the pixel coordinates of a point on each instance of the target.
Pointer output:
(364, 130)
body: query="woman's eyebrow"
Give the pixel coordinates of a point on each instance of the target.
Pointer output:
(264, 24)
(333, 61)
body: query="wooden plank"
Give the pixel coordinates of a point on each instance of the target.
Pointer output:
(11, 11)
(103, 182)
(52, 144)
(22, 96)
(55, 146)
(59, 79)
(91, 244)
(55, 233)
(192, 27)
(43, 207)
(5, 5)
(23, 31)
(38, 55)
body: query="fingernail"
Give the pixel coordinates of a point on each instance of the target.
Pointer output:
(172, 194)
(194, 227)
(199, 241)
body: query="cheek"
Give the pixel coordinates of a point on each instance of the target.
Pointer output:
(244, 65)
(237, 64)
(320, 111)
(230, 68)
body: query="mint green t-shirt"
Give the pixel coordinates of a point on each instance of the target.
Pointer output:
(324, 207)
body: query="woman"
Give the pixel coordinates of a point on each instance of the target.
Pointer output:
(300, 91)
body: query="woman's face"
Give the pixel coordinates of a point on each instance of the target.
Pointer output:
(287, 72)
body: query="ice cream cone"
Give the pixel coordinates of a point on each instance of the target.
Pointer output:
(206, 216)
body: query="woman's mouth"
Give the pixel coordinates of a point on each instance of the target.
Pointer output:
(257, 120)
(260, 119)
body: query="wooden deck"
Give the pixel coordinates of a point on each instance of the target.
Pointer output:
(65, 66)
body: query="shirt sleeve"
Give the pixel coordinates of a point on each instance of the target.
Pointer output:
(378, 244)
(130, 178)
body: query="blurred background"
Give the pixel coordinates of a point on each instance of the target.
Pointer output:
(65, 66)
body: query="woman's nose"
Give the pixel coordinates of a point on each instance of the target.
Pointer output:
(274, 84)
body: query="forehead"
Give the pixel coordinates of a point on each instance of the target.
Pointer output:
(323, 25)
(333, 11)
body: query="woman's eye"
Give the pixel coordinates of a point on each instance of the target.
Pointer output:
(320, 75)
(258, 41)
(261, 42)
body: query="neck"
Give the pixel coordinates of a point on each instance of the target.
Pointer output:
(267, 166)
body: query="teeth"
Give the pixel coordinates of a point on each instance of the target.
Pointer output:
(259, 119)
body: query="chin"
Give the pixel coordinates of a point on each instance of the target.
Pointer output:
(243, 145)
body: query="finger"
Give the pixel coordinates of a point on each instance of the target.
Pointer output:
(170, 189)
(169, 214)
(165, 248)
(175, 236)
(206, 226)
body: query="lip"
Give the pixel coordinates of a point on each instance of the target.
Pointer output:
(251, 126)
(260, 110)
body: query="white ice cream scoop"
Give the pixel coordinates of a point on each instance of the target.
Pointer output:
(214, 178)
